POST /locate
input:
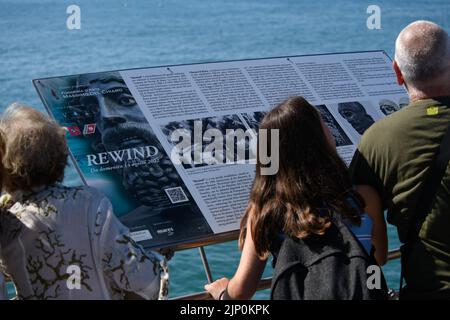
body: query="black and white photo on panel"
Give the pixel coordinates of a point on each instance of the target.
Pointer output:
(254, 119)
(201, 145)
(338, 133)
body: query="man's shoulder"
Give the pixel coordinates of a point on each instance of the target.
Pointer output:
(400, 124)
(388, 129)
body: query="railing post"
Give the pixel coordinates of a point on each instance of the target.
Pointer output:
(262, 285)
(205, 264)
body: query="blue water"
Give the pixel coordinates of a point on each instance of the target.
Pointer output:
(35, 43)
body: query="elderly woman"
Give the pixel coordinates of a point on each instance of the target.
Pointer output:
(58, 242)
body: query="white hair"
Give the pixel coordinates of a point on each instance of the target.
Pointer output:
(422, 51)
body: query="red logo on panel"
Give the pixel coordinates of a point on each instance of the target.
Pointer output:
(74, 131)
(89, 129)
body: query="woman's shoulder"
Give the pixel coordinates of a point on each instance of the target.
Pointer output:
(51, 198)
(57, 198)
(75, 193)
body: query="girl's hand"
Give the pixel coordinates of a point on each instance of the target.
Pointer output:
(217, 287)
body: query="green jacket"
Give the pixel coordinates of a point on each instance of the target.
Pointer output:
(394, 156)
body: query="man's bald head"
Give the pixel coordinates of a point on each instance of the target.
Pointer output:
(422, 52)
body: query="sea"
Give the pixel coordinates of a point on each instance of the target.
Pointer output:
(35, 42)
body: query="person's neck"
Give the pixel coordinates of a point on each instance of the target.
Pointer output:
(436, 89)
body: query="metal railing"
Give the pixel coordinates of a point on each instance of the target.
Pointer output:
(265, 282)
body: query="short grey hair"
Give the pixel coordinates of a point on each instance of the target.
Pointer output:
(422, 51)
(34, 147)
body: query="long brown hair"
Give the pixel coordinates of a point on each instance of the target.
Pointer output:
(312, 181)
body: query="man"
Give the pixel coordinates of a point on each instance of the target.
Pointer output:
(356, 115)
(396, 153)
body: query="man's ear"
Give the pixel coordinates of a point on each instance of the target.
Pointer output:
(398, 73)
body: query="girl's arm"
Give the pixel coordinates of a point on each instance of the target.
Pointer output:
(245, 281)
(379, 231)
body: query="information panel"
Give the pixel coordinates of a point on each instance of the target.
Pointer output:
(121, 128)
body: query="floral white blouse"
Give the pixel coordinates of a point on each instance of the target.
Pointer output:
(65, 243)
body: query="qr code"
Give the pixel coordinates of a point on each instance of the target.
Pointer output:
(176, 195)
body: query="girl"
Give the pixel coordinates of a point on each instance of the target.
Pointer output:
(311, 182)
